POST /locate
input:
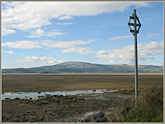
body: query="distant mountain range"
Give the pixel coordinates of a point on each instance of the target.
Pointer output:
(82, 67)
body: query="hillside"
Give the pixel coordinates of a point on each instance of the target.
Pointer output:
(82, 67)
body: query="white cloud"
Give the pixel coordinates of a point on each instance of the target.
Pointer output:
(51, 34)
(126, 54)
(66, 44)
(65, 17)
(22, 44)
(149, 35)
(65, 23)
(8, 52)
(78, 50)
(44, 59)
(39, 33)
(29, 15)
(7, 31)
(120, 37)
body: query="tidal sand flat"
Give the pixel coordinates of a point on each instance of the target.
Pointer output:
(51, 83)
(69, 98)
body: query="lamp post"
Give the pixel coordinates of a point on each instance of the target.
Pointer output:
(136, 23)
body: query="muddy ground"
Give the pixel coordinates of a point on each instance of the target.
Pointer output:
(61, 108)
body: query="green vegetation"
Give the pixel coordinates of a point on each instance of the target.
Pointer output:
(149, 108)
(7, 98)
(69, 101)
(16, 99)
(126, 91)
(40, 102)
(51, 99)
(28, 101)
(82, 67)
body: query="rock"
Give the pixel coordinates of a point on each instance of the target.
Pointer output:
(97, 116)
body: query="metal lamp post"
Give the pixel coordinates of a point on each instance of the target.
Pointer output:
(135, 24)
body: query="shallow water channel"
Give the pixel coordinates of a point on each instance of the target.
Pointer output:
(34, 95)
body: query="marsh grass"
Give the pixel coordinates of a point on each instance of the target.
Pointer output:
(149, 108)
(42, 100)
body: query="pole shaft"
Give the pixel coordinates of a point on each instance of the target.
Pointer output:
(136, 61)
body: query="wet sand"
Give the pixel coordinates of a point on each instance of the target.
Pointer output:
(50, 83)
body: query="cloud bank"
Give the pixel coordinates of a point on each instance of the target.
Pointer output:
(44, 59)
(8, 52)
(22, 44)
(40, 33)
(126, 54)
(78, 50)
(66, 44)
(31, 15)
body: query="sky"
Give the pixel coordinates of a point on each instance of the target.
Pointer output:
(36, 34)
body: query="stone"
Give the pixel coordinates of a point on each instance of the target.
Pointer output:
(96, 116)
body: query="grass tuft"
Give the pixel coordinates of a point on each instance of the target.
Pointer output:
(149, 108)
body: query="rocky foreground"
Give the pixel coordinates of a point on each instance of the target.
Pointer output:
(78, 108)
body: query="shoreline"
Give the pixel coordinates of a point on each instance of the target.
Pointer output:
(81, 74)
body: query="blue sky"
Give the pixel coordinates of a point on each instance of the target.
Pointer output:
(48, 33)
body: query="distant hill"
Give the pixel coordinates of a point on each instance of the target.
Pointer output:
(82, 67)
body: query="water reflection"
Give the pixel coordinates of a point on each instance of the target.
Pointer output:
(34, 95)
